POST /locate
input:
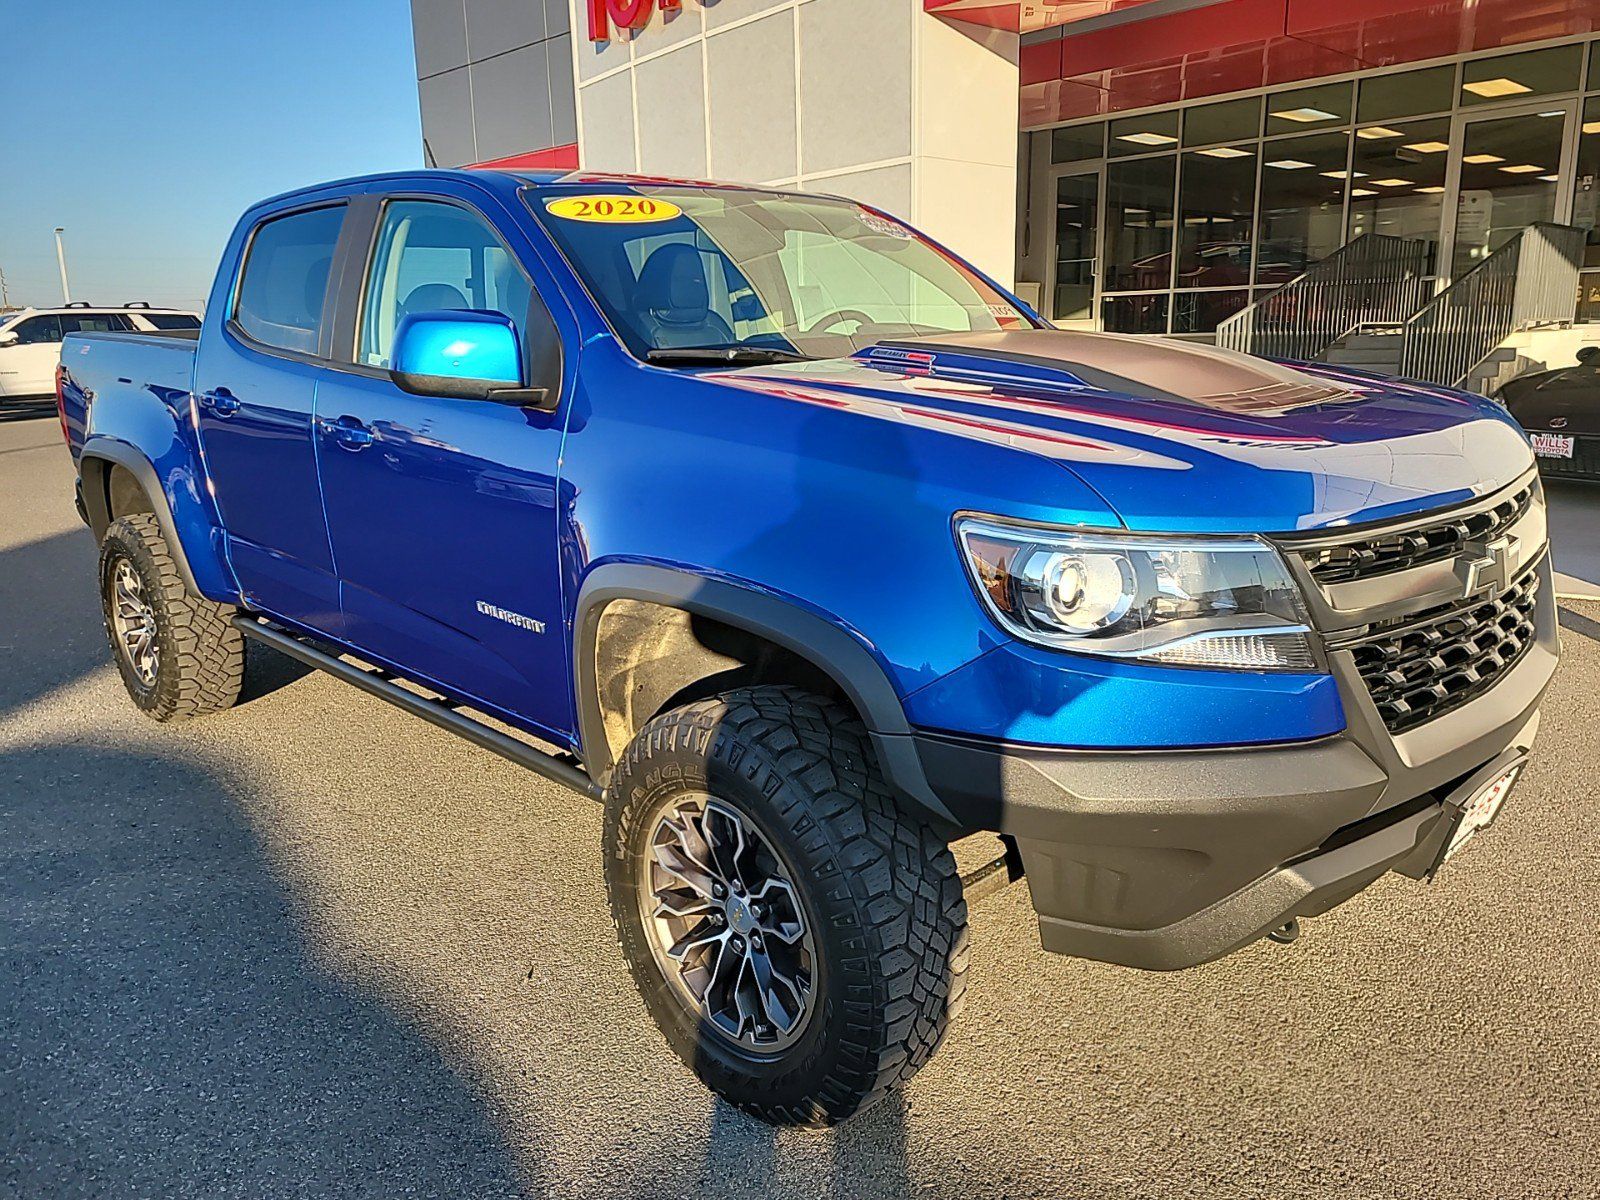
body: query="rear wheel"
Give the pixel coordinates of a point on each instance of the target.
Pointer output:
(797, 936)
(179, 654)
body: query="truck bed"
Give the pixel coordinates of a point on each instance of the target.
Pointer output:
(103, 366)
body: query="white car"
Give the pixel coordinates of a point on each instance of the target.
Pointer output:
(30, 339)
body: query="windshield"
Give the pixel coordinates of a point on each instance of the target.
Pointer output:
(677, 269)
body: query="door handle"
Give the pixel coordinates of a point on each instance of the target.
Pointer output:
(222, 402)
(349, 432)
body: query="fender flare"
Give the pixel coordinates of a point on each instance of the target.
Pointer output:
(136, 464)
(826, 645)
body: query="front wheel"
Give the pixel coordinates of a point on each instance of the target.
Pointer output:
(799, 938)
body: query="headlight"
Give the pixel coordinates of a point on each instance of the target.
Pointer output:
(1216, 602)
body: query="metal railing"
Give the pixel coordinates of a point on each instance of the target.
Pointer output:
(1530, 281)
(1376, 279)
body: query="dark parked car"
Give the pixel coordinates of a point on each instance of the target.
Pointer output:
(1560, 409)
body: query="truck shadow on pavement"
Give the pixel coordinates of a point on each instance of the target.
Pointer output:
(167, 1030)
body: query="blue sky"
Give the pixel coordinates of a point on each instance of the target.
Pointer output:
(146, 128)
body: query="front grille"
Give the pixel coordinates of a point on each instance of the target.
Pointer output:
(1584, 463)
(1423, 666)
(1388, 552)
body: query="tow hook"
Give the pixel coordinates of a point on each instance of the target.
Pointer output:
(1287, 933)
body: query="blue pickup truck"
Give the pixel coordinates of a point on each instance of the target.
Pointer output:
(807, 550)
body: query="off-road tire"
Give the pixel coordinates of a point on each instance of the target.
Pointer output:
(879, 886)
(200, 655)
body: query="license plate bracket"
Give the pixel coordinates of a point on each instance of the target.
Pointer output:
(1476, 811)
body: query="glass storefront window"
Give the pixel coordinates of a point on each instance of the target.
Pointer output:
(1531, 73)
(1139, 224)
(1202, 312)
(1141, 135)
(1586, 185)
(1385, 97)
(1230, 121)
(1215, 217)
(1308, 108)
(1074, 143)
(1509, 175)
(1135, 314)
(1302, 204)
(1397, 184)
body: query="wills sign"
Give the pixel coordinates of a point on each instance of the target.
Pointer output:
(625, 14)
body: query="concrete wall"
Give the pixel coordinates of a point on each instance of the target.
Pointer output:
(494, 77)
(871, 99)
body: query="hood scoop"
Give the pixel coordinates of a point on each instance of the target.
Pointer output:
(1149, 367)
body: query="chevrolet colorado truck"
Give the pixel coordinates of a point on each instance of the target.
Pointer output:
(806, 550)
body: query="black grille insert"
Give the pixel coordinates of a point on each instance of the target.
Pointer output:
(1436, 661)
(1382, 553)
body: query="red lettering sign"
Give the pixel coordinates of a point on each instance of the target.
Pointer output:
(625, 14)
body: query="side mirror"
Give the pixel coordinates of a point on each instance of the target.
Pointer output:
(463, 355)
(8, 338)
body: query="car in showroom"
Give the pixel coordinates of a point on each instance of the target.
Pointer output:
(1560, 410)
(30, 339)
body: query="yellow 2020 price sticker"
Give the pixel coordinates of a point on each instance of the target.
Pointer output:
(613, 210)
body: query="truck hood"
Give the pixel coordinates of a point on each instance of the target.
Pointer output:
(1178, 436)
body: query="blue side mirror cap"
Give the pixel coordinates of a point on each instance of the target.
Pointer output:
(467, 344)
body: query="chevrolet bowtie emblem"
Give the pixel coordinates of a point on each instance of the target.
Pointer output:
(1487, 566)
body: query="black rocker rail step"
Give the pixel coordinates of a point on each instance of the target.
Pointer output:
(380, 683)
(993, 876)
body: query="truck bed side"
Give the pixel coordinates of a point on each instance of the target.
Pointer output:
(126, 402)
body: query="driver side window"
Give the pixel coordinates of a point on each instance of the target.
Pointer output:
(433, 257)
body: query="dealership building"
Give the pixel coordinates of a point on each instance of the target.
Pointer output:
(1152, 166)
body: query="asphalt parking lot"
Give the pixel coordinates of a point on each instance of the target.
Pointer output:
(314, 947)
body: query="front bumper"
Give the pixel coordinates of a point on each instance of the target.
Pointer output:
(1165, 860)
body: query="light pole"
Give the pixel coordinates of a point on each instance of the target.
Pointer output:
(61, 261)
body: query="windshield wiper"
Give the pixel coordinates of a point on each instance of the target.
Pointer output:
(737, 356)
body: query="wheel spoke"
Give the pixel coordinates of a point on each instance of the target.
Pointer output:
(679, 865)
(767, 982)
(704, 934)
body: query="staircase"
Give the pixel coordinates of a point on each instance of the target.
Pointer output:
(1366, 307)
(1369, 348)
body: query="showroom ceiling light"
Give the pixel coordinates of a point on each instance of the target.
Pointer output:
(1591, 126)
(1377, 132)
(1290, 164)
(1431, 190)
(1147, 138)
(1522, 169)
(1392, 182)
(1490, 88)
(1550, 178)
(1306, 116)
(1225, 152)
(1343, 174)
(1428, 147)
(1362, 192)
(1480, 159)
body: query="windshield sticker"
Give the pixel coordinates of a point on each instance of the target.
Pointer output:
(883, 225)
(614, 210)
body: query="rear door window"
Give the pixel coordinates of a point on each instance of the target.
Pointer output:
(170, 320)
(283, 291)
(92, 323)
